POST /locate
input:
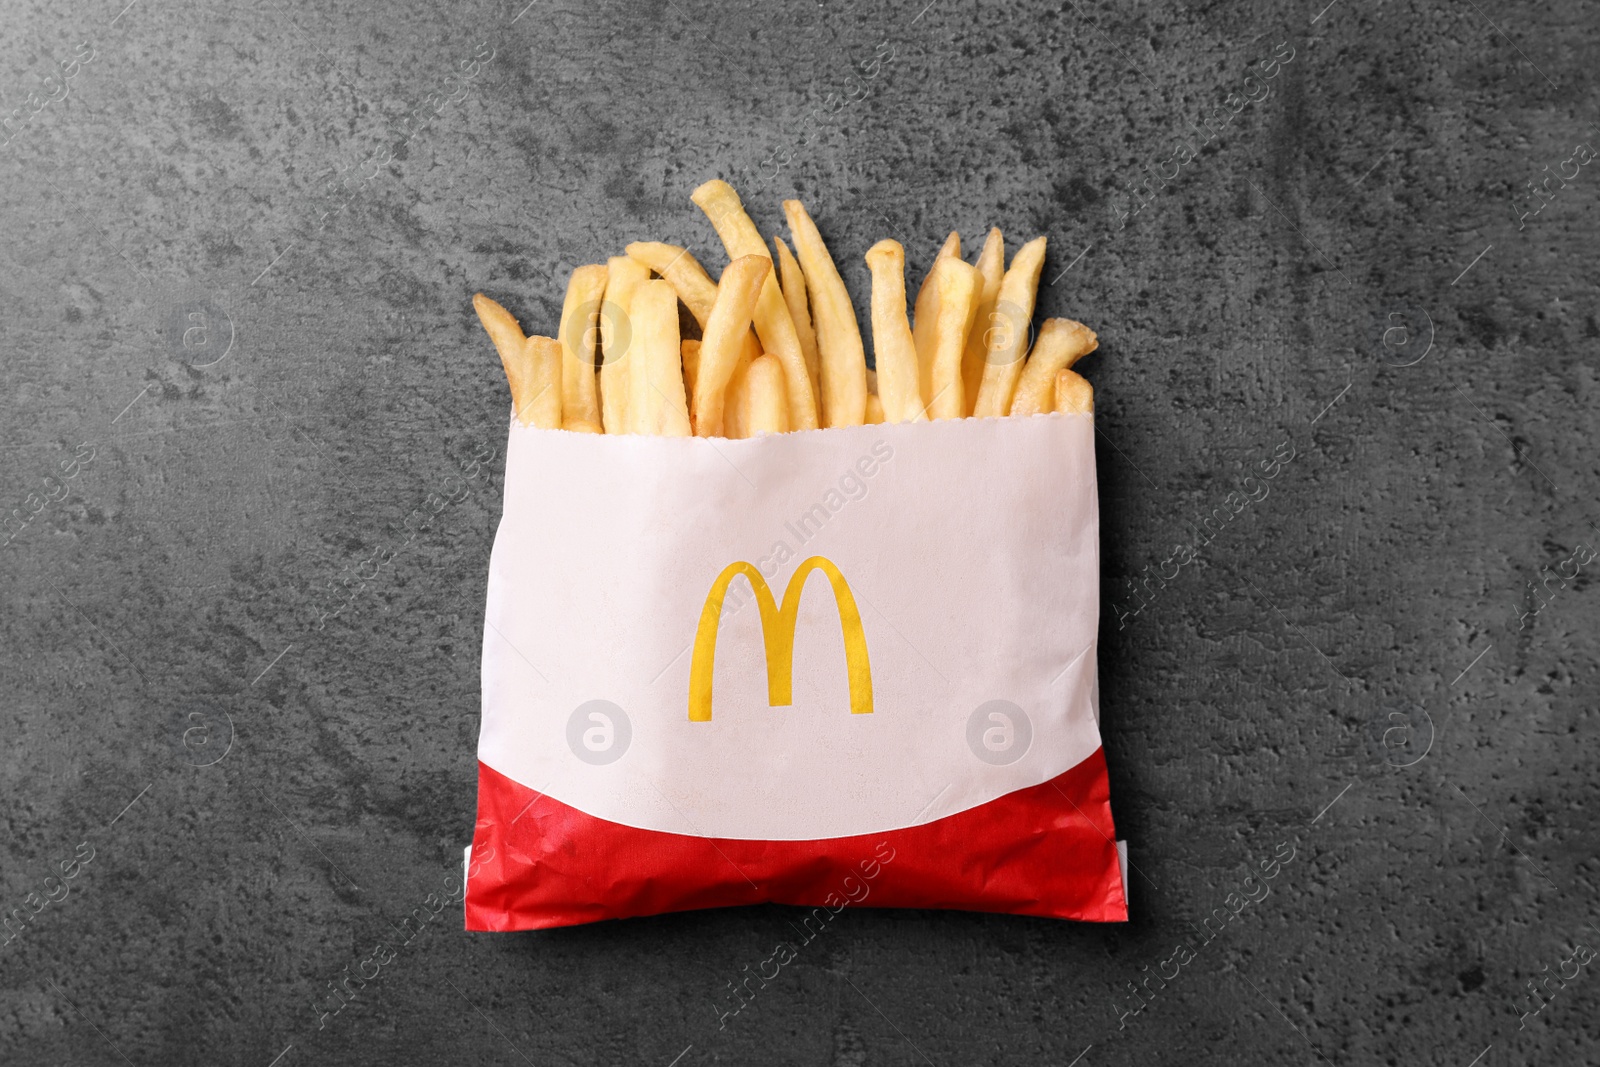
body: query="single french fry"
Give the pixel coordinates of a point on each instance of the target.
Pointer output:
(925, 315)
(1007, 335)
(720, 348)
(793, 283)
(844, 363)
(541, 404)
(506, 333)
(992, 267)
(875, 410)
(624, 275)
(689, 349)
(772, 322)
(1074, 395)
(665, 369)
(655, 378)
(950, 248)
(736, 408)
(1060, 344)
(579, 313)
(765, 408)
(737, 403)
(893, 350)
(957, 284)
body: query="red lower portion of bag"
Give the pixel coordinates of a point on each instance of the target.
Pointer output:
(1046, 850)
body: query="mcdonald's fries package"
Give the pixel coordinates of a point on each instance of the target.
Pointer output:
(853, 665)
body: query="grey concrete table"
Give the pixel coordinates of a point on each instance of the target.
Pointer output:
(1351, 245)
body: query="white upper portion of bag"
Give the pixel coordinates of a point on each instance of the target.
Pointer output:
(969, 548)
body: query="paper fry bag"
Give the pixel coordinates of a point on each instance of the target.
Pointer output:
(817, 668)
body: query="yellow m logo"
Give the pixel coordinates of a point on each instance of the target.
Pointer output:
(777, 631)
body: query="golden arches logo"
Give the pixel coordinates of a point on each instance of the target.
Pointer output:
(777, 633)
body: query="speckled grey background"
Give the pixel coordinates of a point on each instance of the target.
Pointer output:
(239, 361)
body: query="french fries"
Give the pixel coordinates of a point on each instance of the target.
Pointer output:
(780, 347)
(730, 317)
(844, 363)
(580, 407)
(765, 408)
(956, 286)
(695, 287)
(1060, 344)
(893, 347)
(1074, 395)
(690, 351)
(991, 268)
(793, 283)
(541, 405)
(506, 333)
(925, 315)
(773, 324)
(624, 275)
(656, 397)
(1006, 339)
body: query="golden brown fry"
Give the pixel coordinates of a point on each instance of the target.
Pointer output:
(793, 280)
(874, 410)
(992, 267)
(844, 364)
(1007, 334)
(765, 408)
(726, 327)
(506, 333)
(579, 312)
(655, 380)
(541, 405)
(1074, 395)
(624, 275)
(1060, 344)
(894, 352)
(925, 315)
(690, 351)
(957, 285)
(772, 322)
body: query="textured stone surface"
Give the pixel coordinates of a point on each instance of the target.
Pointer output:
(1362, 636)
